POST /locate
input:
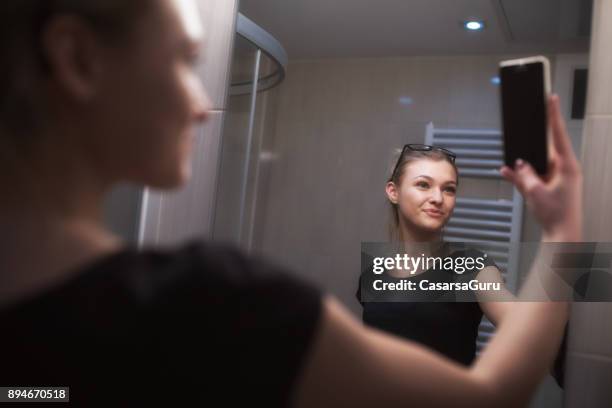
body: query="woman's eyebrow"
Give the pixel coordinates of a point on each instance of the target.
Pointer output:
(431, 178)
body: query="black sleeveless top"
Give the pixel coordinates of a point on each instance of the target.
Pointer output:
(451, 328)
(200, 325)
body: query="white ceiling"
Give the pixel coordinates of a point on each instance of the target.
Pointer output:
(375, 28)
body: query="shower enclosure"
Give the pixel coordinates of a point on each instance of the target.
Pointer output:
(258, 65)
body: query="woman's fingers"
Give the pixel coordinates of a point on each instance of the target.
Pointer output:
(523, 177)
(554, 199)
(507, 173)
(561, 140)
(527, 179)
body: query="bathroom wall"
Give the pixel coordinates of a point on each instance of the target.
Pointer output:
(589, 378)
(338, 124)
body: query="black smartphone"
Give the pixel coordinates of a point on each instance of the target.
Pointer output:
(525, 86)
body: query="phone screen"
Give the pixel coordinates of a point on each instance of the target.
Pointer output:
(524, 114)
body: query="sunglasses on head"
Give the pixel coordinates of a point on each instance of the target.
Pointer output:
(423, 148)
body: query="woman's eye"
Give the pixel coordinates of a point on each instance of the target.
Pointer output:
(422, 184)
(451, 190)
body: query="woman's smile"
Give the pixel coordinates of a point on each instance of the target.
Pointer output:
(433, 212)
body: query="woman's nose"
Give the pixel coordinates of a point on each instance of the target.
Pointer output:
(436, 196)
(202, 108)
(201, 104)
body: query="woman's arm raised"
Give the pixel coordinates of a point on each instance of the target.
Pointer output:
(352, 365)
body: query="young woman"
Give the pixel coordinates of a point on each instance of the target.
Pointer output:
(421, 192)
(98, 91)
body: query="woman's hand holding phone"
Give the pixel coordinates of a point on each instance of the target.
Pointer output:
(556, 198)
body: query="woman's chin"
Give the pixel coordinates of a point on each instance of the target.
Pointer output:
(180, 180)
(432, 226)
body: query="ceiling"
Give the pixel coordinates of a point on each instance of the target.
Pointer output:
(383, 28)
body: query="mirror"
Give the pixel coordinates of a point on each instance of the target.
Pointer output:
(365, 78)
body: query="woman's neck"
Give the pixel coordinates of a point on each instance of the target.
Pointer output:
(419, 241)
(51, 182)
(51, 217)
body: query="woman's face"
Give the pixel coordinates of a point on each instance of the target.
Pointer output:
(150, 98)
(426, 194)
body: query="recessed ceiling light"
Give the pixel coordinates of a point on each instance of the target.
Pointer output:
(474, 25)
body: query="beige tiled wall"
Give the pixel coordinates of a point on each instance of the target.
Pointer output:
(589, 377)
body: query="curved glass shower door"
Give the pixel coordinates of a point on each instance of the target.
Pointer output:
(258, 64)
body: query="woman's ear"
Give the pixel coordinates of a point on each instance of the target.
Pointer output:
(392, 192)
(73, 55)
